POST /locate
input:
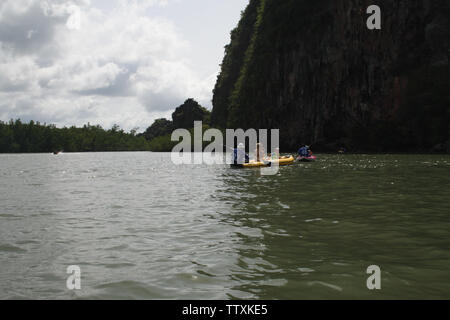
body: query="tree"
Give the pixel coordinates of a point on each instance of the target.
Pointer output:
(16, 136)
(160, 127)
(190, 111)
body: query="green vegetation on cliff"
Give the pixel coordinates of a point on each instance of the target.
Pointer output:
(315, 71)
(232, 63)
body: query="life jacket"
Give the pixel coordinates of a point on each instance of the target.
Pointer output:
(240, 157)
(303, 152)
(235, 155)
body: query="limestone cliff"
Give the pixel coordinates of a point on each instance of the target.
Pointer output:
(314, 70)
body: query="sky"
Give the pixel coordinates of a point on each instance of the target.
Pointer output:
(125, 62)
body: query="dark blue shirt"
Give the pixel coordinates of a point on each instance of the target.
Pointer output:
(304, 152)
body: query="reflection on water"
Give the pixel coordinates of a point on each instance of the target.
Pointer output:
(312, 231)
(141, 228)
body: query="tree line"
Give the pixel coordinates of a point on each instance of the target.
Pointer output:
(33, 137)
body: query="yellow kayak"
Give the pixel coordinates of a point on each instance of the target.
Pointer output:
(255, 164)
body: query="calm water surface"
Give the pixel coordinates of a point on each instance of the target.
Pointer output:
(140, 227)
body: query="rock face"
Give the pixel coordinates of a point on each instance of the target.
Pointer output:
(315, 71)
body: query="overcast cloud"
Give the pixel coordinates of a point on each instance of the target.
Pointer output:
(128, 62)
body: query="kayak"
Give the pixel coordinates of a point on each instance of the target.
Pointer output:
(268, 163)
(307, 159)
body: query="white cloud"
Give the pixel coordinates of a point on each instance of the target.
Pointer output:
(116, 67)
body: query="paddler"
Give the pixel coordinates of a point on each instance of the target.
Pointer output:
(239, 155)
(276, 154)
(259, 152)
(304, 152)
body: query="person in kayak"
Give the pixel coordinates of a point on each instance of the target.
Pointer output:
(239, 155)
(304, 152)
(276, 154)
(259, 152)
